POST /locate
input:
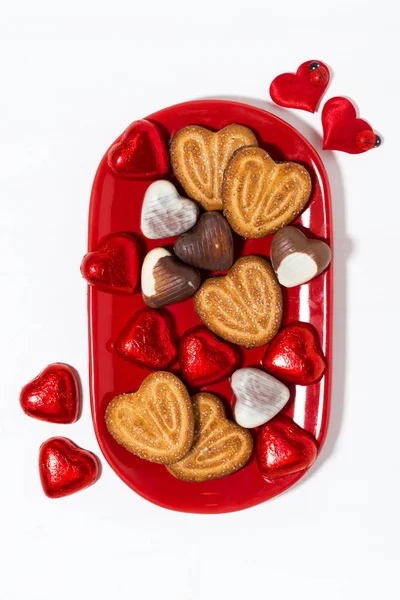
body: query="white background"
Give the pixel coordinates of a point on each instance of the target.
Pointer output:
(73, 76)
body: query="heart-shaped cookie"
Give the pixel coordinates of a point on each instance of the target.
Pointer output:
(259, 396)
(204, 359)
(343, 130)
(302, 90)
(165, 213)
(148, 340)
(166, 280)
(297, 259)
(209, 245)
(53, 395)
(295, 355)
(199, 157)
(65, 468)
(284, 448)
(259, 195)
(220, 447)
(244, 306)
(156, 422)
(140, 153)
(114, 266)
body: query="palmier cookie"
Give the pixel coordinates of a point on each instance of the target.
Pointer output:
(259, 195)
(244, 306)
(220, 446)
(156, 422)
(199, 157)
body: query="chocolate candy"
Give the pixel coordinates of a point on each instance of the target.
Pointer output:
(165, 213)
(297, 259)
(167, 280)
(209, 245)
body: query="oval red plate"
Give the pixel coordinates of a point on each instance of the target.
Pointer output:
(116, 206)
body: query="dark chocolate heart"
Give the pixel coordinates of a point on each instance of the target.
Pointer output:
(208, 245)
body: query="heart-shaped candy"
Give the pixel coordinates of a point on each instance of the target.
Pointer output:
(114, 266)
(166, 280)
(284, 448)
(199, 157)
(295, 355)
(65, 468)
(156, 422)
(260, 196)
(140, 153)
(343, 130)
(244, 306)
(220, 446)
(209, 245)
(259, 396)
(297, 259)
(53, 395)
(148, 340)
(204, 359)
(302, 90)
(165, 213)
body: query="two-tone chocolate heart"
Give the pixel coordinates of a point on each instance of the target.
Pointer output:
(296, 259)
(209, 245)
(259, 396)
(166, 280)
(165, 213)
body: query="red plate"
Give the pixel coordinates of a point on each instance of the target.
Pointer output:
(116, 206)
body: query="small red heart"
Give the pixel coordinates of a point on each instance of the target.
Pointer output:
(114, 266)
(284, 448)
(343, 130)
(140, 153)
(295, 355)
(148, 339)
(53, 395)
(205, 359)
(65, 468)
(302, 90)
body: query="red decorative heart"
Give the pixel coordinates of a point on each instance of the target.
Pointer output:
(343, 130)
(205, 359)
(65, 468)
(302, 90)
(284, 448)
(53, 395)
(295, 355)
(148, 339)
(140, 153)
(114, 266)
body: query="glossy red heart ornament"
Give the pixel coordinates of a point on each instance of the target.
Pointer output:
(302, 90)
(284, 448)
(114, 266)
(54, 395)
(148, 339)
(295, 355)
(140, 153)
(65, 468)
(342, 128)
(205, 359)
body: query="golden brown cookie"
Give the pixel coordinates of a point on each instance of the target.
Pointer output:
(199, 157)
(156, 422)
(260, 195)
(244, 306)
(220, 447)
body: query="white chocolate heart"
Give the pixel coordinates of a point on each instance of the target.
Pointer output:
(259, 396)
(295, 269)
(165, 213)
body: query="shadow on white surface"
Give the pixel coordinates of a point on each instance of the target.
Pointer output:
(342, 249)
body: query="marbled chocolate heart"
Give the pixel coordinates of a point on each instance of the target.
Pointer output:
(208, 245)
(166, 280)
(297, 259)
